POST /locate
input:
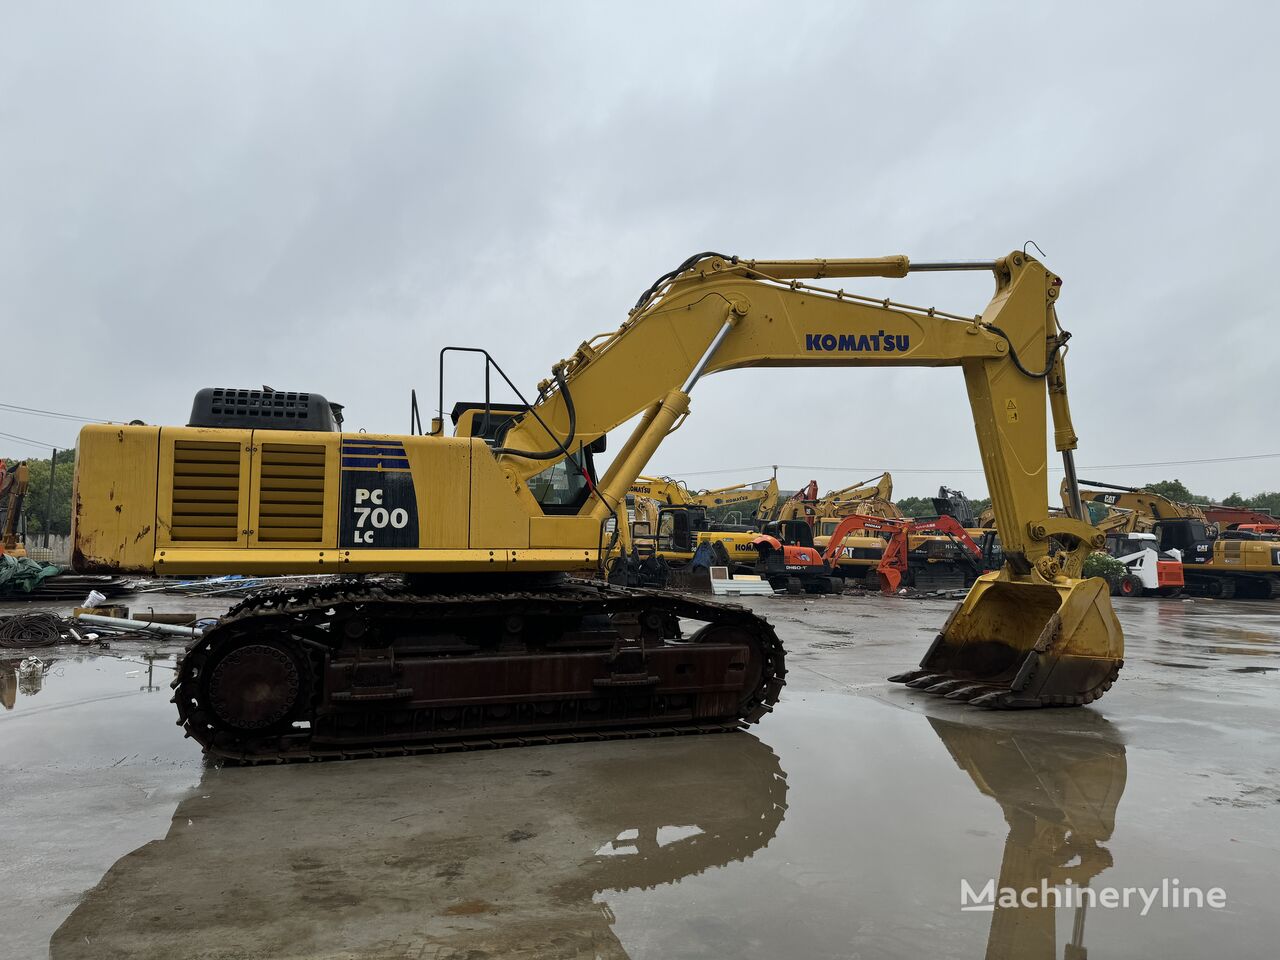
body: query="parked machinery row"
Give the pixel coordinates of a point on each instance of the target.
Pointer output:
(1236, 557)
(1164, 547)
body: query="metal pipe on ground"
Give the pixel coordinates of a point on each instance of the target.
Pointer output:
(140, 626)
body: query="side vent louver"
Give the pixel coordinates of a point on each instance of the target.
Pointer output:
(291, 493)
(206, 486)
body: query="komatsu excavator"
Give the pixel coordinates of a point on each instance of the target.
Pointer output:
(485, 642)
(742, 496)
(801, 505)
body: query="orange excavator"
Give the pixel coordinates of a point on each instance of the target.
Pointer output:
(895, 562)
(789, 559)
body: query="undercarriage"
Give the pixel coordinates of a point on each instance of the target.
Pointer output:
(356, 669)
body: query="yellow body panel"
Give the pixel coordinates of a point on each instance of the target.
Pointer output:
(848, 551)
(268, 562)
(508, 504)
(1242, 556)
(545, 532)
(292, 471)
(114, 504)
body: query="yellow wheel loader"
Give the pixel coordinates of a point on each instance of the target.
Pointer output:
(481, 640)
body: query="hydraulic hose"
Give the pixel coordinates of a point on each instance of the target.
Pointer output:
(672, 274)
(562, 448)
(1059, 343)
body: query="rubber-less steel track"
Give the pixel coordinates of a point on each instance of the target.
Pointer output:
(353, 669)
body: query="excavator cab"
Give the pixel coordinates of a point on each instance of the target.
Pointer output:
(789, 533)
(1187, 535)
(675, 530)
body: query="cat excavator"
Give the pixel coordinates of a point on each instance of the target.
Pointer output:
(1224, 566)
(465, 630)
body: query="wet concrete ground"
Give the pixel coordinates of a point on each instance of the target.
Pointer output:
(840, 827)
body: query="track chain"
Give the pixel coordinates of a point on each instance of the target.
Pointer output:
(295, 610)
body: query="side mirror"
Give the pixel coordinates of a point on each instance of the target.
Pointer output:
(598, 444)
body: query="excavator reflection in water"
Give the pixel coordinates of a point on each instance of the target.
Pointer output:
(396, 879)
(1059, 795)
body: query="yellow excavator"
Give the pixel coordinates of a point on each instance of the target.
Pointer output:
(861, 552)
(671, 526)
(867, 498)
(13, 490)
(482, 640)
(1230, 565)
(760, 500)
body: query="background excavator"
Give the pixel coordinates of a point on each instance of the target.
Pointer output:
(870, 498)
(861, 551)
(747, 500)
(792, 559)
(673, 525)
(1216, 565)
(674, 538)
(484, 642)
(14, 482)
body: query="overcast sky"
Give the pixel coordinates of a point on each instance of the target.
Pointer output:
(319, 196)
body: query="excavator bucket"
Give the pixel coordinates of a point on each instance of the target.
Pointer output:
(1015, 644)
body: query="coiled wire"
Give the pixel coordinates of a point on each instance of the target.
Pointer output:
(30, 630)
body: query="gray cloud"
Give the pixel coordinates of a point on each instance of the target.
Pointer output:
(319, 196)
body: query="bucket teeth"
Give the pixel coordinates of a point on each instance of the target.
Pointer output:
(993, 699)
(968, 691)
(947, 686)
(925, 680)
(908, 676)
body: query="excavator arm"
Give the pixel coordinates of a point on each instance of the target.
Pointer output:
(881, 490)
(738, 495)
(801, 505)
(670, 492)
(1030, 634)
(720, 314)
(952, 528)
(1145, 503)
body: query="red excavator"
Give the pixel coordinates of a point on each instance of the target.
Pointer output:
(895, 562)
(790, 561)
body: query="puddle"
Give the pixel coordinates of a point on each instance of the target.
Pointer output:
(844, 829)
